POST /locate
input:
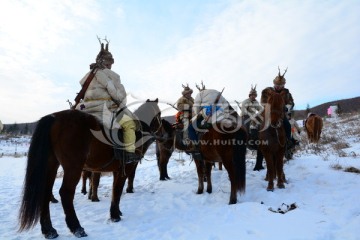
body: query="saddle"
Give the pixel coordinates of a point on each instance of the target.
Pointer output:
(188, 145)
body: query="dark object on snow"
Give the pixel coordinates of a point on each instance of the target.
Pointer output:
(284, 208)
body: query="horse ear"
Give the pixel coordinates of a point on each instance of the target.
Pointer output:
(147, 100)
(156, 100)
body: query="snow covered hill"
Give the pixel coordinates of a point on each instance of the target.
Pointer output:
(323, 184)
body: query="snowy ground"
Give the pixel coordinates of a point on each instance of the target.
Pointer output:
(325, 195)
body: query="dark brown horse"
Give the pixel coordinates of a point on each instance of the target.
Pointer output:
(273, 139)
(168, 139)
(313, 127)
(75, 140)
(226, 143)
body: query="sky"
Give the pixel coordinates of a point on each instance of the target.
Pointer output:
(46, 47)
(326, 198)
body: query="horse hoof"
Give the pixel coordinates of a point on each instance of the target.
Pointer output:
(232, 202)
(80, 232)
(116, 219)
(270, 189)
(51, 234)
(259, 168)
(129, 190)
(95, 200)
(281, 185)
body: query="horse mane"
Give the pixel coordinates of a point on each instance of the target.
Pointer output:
(146, 112)
(276, 101)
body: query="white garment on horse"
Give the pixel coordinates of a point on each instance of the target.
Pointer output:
(103, 95)
(295, 129)
(204, 105)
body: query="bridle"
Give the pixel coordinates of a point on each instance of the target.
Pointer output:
(158, 118)
(277, 126)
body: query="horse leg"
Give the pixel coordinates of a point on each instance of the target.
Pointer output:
(118, 186)
(85, 175)
(208, 177)
(280, 171)
(259, 161)
(67, 192)
(163, 160)
(131, 177)
(45, 220)
(200, 172)
(270, 171)
(231, 175)
(116, 193)
(95, 180)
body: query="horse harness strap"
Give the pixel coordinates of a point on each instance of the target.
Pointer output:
(276, 127)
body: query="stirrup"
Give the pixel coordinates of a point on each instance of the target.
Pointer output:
(131, 157)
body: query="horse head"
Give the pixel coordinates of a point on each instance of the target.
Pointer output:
(275, 106)
(149, 114)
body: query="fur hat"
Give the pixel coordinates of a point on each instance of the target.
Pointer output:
(104, 56)
(253, 91)
(279, 79)
(186, 90)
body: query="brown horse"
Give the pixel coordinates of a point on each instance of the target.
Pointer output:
(313, 127)
(73, 139)
(224, 143)
(273, 139)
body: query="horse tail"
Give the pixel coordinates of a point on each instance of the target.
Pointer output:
(239, 159)
(35, 177)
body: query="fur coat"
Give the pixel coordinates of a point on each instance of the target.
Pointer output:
(104, 96)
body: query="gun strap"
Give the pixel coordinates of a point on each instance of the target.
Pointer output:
(85, 86)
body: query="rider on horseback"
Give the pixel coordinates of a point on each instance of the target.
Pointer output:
(251, 118)
(250, 109)
(104, 96)
(279, 83)
(185, 105)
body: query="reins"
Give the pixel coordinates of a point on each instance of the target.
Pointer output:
(277, 127)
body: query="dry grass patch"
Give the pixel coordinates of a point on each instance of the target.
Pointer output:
(352, 170)
(340, 145)
(337, 167)
(347, 169)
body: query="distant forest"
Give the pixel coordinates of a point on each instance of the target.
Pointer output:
(351, 105)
